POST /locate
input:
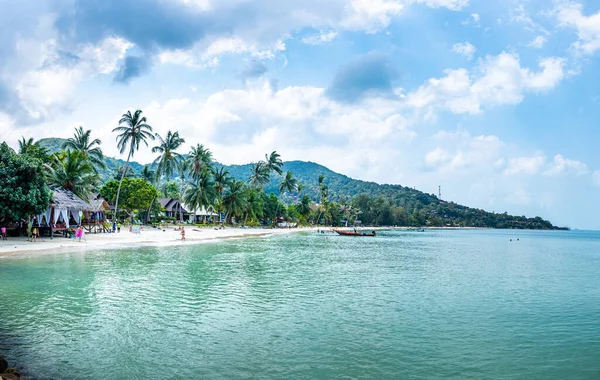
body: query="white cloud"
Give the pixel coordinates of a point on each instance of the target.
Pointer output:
(500, 80)
(321, 38)
(371, 15)
(570, 14)
(525, 165)
(562, 165)
(474, 19)
(465, 49)
(537, 42)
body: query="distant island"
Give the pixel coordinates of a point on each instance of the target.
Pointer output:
(331, 198)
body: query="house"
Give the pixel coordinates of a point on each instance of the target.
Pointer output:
(172, 208)
(202, 214)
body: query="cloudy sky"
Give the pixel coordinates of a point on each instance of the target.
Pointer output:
(496, 101)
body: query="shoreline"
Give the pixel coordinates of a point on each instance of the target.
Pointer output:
(18, 247)
(152, 237)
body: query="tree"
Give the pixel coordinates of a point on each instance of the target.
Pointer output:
(222, 179)
(253, 205)
(168, 159)
(73, 171)
(200, 192)
(274, 163)
(199, 160)
(289, 183)
(234, 199)
(90, 149)
(32, 149)
(137, 193)
(169, 189)
(133, 130)
(123, 171)
(23, 191)
(150, 176)
(303, 207)
(260, 174)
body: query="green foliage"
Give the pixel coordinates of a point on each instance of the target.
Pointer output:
(136, 193)
(169, 189)
(23, 191)
(72, 170)
(83, 143)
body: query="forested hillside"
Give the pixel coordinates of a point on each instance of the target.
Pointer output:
(373, 203)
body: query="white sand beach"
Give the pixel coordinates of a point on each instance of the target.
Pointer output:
(125, 239)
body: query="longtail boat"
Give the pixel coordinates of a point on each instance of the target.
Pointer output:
(354, 233)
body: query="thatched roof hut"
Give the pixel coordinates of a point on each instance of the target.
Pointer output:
(64, 206)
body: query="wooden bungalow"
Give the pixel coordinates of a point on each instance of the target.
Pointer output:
(95, 218)
(172, 208)
(65, 212)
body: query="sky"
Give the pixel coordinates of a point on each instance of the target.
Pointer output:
(496, 102)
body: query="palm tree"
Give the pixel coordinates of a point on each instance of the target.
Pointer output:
(300, 188)
(222, 179)
(149, 175)
(73, 171)
(25, 145)
(303, 207)
(168, 160)
(234, 199)
(289, 183)
(323, 195)
(183, 167)
(260, 174)
(274, 163)
(254, 205)
(199, 160)
(90, 149)
(125, 171)
(132, 130)
(200, 192)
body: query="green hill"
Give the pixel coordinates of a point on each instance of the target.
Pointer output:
(412, 207)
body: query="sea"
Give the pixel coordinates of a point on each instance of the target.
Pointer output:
(437, 304)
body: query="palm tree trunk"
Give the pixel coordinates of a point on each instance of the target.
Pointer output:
(119, 188)
(149, 208)
(181, 199)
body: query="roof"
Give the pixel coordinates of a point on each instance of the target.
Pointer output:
(202, 211)
(99, 204)
(170, 204)
(65, 199)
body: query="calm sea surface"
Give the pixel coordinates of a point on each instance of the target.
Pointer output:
(403, 305)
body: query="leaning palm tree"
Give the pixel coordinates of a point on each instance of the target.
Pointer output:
(83, 143)
(260, 174)
(274, 163)
(200, 192)
(234, 199)
(199, 160)
(132, 130)
(72, 171)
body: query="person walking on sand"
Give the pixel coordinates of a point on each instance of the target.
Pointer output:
(3, 232)
(34, 234)
(182, 233)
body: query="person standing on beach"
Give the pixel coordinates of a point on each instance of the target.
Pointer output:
(3, 232)
(34, 234)
(182, 233)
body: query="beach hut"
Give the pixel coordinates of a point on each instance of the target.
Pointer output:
(95, 218)
(202, 214)
(66, 210)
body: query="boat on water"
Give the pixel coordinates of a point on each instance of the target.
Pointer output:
(354, 233)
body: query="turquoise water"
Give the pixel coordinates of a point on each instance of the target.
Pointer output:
(403, 305)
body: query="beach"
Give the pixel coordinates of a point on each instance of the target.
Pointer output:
(147, 237)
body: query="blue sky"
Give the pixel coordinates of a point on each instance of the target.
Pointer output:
(497, 102)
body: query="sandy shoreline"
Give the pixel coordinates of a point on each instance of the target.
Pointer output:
(125, 239)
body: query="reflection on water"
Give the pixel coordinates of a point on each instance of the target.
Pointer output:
(409, 305)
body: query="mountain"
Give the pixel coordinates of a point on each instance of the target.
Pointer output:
(414, 206)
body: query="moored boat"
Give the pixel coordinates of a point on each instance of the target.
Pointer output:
(354, 233)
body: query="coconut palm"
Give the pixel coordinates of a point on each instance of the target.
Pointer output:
(200, 192)
(260, 174)
(25, 145)
(303, 207)
(300, 188)
(288, 183)
(132, 130)
(323, 196)
(199, 160)
(73, 171)
(222, 179)
(125, 171)
(168, 159)
(274, 163)
(254, 205)
(234, 199)
(148, 174)
(83, 143)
